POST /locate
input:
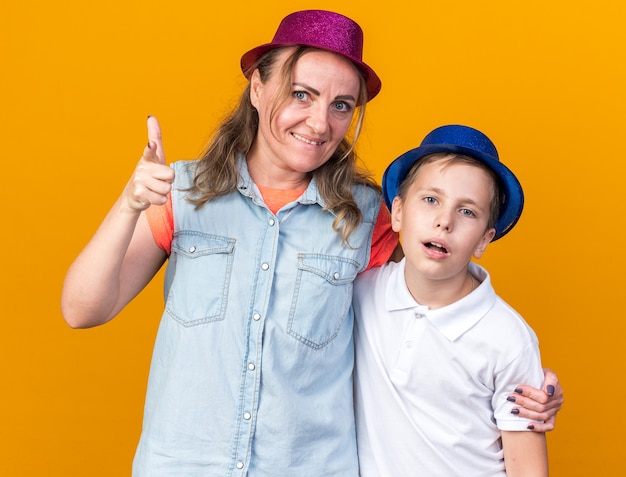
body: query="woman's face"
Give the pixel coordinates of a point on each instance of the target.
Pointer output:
(304, 132)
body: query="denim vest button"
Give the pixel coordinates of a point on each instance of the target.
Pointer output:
(192, 249)
(265, 266)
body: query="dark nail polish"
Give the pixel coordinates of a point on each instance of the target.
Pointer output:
(515, 411)
(518, 390)
(550, 390)
(531, 427)
(511, 398)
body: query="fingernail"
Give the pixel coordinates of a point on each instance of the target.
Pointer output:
(515, 411)
(511, 398)
(531, 427)
(550, 390)
(518, 390)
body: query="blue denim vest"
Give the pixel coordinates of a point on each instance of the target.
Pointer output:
(252, 366)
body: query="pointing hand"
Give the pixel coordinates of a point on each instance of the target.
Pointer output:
(152, 179)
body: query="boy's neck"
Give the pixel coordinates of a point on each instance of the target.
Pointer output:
(439, 293)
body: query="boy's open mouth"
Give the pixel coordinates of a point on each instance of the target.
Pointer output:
(436, 246)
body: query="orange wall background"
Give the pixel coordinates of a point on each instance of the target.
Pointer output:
(545, 80)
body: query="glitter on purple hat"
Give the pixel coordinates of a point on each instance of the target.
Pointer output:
(324, 30)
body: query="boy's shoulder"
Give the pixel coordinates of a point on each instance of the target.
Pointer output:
(377, 278)
(379, 273)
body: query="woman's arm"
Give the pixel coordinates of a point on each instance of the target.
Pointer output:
(525, 454)
(122, 257)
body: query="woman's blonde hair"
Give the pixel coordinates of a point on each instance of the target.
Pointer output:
(216, 171)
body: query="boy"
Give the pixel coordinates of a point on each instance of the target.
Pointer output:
(433, 340)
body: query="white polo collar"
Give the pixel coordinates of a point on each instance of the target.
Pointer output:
(452, 320)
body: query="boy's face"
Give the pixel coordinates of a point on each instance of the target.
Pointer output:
(443, 219)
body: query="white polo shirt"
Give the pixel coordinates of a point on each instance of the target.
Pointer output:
(431, 385)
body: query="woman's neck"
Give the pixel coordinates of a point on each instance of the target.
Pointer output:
(266, 173)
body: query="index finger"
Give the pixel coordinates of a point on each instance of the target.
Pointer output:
(155, 139)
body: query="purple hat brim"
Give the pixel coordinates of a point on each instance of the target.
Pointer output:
(372, 81)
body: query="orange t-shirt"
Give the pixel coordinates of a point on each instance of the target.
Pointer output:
(384, 239)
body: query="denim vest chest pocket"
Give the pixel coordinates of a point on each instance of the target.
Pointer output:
(322, 298)
(206, 262)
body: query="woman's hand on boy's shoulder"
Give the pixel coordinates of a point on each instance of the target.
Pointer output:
(540, 405)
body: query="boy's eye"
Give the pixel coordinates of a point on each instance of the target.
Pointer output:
(430, 200)
(467, 212)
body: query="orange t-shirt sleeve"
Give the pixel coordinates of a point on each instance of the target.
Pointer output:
(161, 220)
(384, 239)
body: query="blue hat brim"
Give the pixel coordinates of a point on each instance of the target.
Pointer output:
(511, 208)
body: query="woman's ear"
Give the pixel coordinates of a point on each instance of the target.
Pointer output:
(256, 86)
(396, 214)
(482, 245)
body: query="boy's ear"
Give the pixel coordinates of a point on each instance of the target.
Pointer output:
(482, 245)
(396, 214)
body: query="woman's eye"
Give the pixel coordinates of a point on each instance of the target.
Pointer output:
(341, 106)
(300, 95)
